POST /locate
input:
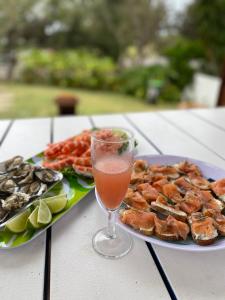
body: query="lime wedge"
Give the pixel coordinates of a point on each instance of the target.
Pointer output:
(56, 203)
(44, 214)
(33, 218)
(19, 223)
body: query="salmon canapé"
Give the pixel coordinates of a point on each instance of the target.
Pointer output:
(182, 201)
(202, 229)
(139, 220)
(136, 200)
(171, 229)
(148, 192)
(218, 188)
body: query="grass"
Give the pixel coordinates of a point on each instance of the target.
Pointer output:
(38, 101)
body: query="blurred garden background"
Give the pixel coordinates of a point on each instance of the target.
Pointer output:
(111, 55)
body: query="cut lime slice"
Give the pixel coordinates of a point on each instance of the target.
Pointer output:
(33, 218)
(44, 214)
(56, 203)
(19, 223)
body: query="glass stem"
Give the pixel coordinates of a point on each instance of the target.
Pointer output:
(111, 224)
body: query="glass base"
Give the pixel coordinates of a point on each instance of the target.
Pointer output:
(112, 247)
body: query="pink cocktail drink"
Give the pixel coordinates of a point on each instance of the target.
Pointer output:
(112, 176)
(112, 158)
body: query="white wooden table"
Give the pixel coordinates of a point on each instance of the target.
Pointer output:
(61, 264)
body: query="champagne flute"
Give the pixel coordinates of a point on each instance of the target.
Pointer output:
(112, 159)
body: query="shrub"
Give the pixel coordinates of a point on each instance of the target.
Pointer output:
(66, 68)
(170, 93)
(135, 81)
(83, 69)
(180, 54)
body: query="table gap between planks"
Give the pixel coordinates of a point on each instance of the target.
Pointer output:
(76, 272)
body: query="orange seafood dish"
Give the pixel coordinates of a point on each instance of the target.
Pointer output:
(75, 152)
(174, 202)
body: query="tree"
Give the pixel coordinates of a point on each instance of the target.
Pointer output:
(106, 25)
(204, 20)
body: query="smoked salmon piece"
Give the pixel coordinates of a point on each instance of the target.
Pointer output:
(142, 221)
(188, 168)
(184, 185)
(148, 192)
(170, 190)
(158, 185)
(199, 181)
(168, 171)
(171, 229)
(140, 165)
(202, 229)
(137, 177)
(166, 207)
(218, 188)
(192, 202)
(137, 201)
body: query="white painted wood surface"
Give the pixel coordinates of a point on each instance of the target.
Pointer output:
(215, 116)
(204, 133)
(22, 269)
(77, 272)
(26, 137)
(3, 127)
(192, 275)
(65, 127)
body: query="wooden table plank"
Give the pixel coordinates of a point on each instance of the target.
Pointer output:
(22, 269)
(78, 272)
(4, 124)
(26, 137)
(215, 116)
(65, 127)
(170, 138)
(191, 274)
(209, 136)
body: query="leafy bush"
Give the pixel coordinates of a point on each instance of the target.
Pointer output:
(66, 68)
(180, 55)
(170, 93)
(83, 69)
(135, 81)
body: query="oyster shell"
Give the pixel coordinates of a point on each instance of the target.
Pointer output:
(8, 186)
(46, 175)
(21, 172)
(3, 213)
(28, 179)
(11, 164)
(35, 188)
(15, 201)
(3, 177)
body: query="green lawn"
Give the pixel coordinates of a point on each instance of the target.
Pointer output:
(38, 101)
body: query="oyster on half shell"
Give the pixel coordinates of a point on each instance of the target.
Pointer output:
(15, 201)
(11, 164)
(21, 172)
(36, 188)
(47, 175)
(28, 179)
(8, 186)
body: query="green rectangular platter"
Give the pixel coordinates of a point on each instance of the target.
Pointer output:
(75, 186)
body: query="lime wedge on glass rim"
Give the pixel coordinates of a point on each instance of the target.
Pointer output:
(56, 203)
(33, 218)
(44, 215)
(19, 223)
